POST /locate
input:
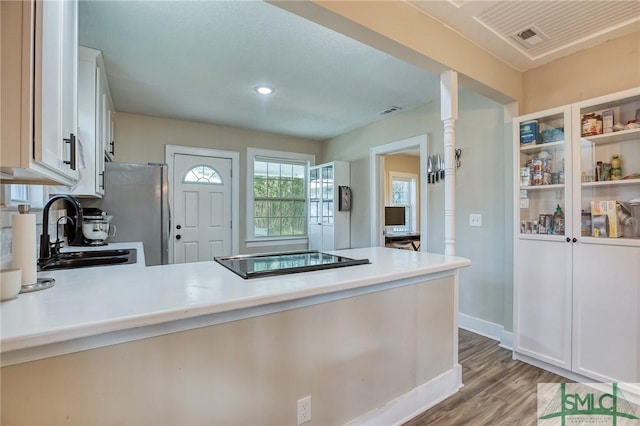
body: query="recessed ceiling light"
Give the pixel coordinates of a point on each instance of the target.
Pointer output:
(264, 90)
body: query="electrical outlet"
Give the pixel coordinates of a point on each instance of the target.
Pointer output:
(475, 219)
(304, 409)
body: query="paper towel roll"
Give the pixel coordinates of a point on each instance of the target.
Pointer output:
(24, 246)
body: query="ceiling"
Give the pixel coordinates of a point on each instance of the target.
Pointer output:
(201, 60)
(562, 27)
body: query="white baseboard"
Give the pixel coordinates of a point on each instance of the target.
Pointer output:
(506, 340)
(414, 402)
(487, 329)
(552, 368)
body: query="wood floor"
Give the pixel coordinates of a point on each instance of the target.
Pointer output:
(497, 389)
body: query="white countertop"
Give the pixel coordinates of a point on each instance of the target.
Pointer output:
(92, 301)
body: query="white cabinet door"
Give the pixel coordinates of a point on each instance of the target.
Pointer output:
(328, 237)
(93, 124)
(315, 236)
(55, 111)
(605, 314)
(39, 77)
(542, 308)
(102, 124)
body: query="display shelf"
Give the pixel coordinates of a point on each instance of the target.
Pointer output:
(622, 241)
(542, 187)
(542, 237)
(532, 149)
(606, 138)
(621, 182)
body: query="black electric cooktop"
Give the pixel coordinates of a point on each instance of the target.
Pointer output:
(270, 264)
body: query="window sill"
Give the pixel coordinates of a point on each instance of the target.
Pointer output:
(285, 241)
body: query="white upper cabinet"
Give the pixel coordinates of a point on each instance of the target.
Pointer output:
(39, 96)
(95, 115)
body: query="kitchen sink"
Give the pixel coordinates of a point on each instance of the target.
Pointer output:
(85, 259)
(93, 254)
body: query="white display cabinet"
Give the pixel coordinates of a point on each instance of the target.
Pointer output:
(329, 227)
(606, 265)
(542, 304)
(577, 293)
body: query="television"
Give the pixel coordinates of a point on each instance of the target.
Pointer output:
(394, 216)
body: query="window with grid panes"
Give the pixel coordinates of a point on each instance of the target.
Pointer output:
(279, 192)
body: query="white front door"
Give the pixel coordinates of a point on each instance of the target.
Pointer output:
(202, 205)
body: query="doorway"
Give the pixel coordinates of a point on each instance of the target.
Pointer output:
(204, 199)
(377, 179)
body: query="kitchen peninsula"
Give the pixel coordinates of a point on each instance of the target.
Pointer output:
(196, 344)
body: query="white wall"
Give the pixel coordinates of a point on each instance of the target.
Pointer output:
(142, 139)
(482, 186)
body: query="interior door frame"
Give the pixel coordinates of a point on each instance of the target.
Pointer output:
(234, 156)
(376, 177)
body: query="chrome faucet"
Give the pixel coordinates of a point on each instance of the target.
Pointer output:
(45, 244)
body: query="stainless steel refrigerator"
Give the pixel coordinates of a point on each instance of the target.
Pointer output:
(137, 195)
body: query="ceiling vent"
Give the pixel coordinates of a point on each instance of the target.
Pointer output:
(530, 36)
(390, 110)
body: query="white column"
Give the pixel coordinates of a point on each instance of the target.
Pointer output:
(449, 115)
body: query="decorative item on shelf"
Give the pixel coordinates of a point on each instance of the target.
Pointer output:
(604, 219)
(623, 211)
(558, 221)
(607, 121)
(529, 132)
(585, 223)
(618, 127)
(591, 124)
(525, 176)
(632, 124)
(616, 167)
(635, 208)
(552, 135)
(606, 171)
(545, 224)
(598, 171)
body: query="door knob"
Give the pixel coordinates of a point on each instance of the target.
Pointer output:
(178, 227)
(575, 240)
(568, 239)
(178, 236)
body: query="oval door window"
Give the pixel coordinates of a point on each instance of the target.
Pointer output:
(203, 174)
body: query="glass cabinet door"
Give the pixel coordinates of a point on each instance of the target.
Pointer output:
(544, 178)
(314, 195)
(327, 194)
(607, 162)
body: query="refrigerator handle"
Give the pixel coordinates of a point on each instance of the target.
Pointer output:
(169, 211)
